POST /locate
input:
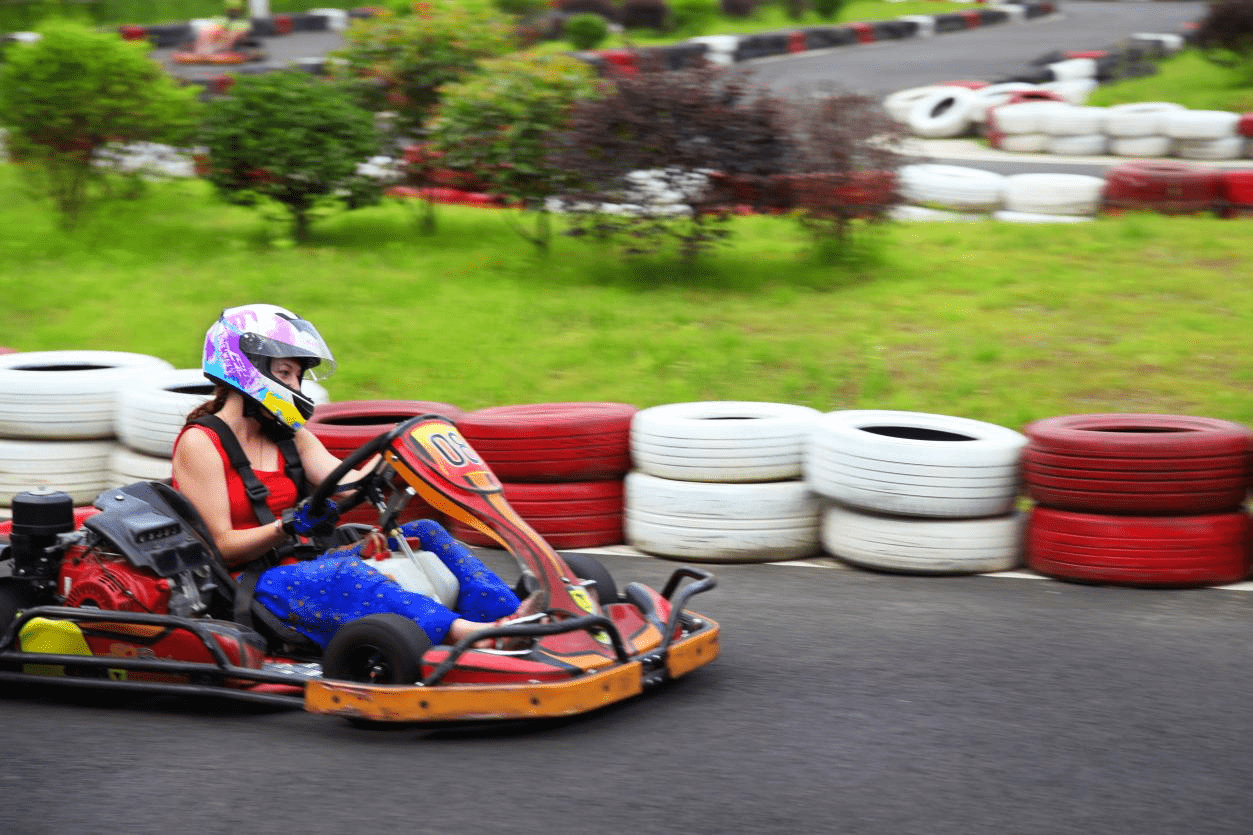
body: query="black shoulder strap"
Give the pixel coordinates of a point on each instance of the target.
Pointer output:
(257, 492)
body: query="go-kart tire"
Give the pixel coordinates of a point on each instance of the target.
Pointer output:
(575, 514)
(552, 442)
(79, 468)
(587, 567)
(1137, 463)
(721, 523)
(345, 426)
(721, 440)
(67, 395)
(911, 545)
(376, 649)
(1163, 551)
(914, 464)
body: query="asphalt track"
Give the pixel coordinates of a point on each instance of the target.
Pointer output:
(843, 702)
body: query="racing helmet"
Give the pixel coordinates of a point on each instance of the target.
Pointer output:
(240, 346)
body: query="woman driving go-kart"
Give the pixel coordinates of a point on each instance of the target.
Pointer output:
(247, 464)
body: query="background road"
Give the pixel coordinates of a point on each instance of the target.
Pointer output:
(843, 702)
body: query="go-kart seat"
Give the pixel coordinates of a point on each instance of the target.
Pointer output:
(232, 599)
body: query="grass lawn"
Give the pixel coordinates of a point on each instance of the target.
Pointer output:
(993, 321)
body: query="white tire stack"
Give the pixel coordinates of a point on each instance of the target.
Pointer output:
(951, 188)
(1204, 134)
(1051, 197)
(57, 418)
(719, 481)
(1139, 129)
(917, 493)
(1077, 131)
(151, 413)
(1022, 127)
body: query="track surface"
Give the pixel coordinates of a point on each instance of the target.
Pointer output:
(843, 702)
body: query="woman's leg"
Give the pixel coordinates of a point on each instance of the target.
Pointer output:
(319, 596)
(483, 596)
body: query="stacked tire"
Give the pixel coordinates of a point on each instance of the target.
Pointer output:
(346, 426)
(720, 481)
(57, 418)
(561, 467)
(917, 493)
(1138, 499)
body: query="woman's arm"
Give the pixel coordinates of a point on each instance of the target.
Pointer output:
(199, 473)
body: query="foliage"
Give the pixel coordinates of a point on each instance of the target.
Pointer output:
(1225, 36)
(70, 94)
(520, 8)
(290, 139)
(843, 170)
(586, 30)
(738, 8)
(500, 125)
(827, 9)
(1183, 78)
(605, 8)
(692, 17)
(795, 9)
(645, 14)
(677, 127)
(400, 62)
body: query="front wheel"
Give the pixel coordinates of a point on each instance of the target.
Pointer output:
(377, 649)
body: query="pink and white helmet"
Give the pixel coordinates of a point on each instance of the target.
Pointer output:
(240, 345)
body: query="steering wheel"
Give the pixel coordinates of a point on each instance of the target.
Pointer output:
(369, 484)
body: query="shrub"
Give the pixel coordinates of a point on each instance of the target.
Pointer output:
(400, 62)
(520, 8)
(677, 127)
(69, 94)
(586, 31)
(738, 8)
(692, 16)
(500, 124)
(1225, 37)
(605, 8)
(645, 14)
(290, 139)
(828, 9)
(795, 9)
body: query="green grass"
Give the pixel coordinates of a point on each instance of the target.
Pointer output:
(1184, 78)
(993, 321)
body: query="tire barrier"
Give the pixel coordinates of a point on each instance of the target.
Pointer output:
(1154, 551)
(552, 442)
(67, 395)
(721, 441)
(885, 471)
(78, 468)
(577, 514)
(913, 545)
(1162, 186)
(1137, 463)
(1138, 499)
(150, 416)
(720, 522)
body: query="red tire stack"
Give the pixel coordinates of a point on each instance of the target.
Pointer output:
(343, 427)
(561, 465)
(1138, 499)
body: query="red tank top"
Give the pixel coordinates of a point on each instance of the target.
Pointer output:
(283, 493)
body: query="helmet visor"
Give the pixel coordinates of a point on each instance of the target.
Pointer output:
(300, 341)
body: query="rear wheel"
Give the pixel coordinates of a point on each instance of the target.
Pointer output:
(377, 649)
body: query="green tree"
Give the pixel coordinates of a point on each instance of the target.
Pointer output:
(290, 139)
(1225, 37)
(400, 62)
(73, 92)
(500, 124)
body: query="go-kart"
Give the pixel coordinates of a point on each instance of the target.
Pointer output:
(134, 595)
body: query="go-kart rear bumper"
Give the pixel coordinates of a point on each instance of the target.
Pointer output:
(456, 702)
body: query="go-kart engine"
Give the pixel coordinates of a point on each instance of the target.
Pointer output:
(109, 582)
